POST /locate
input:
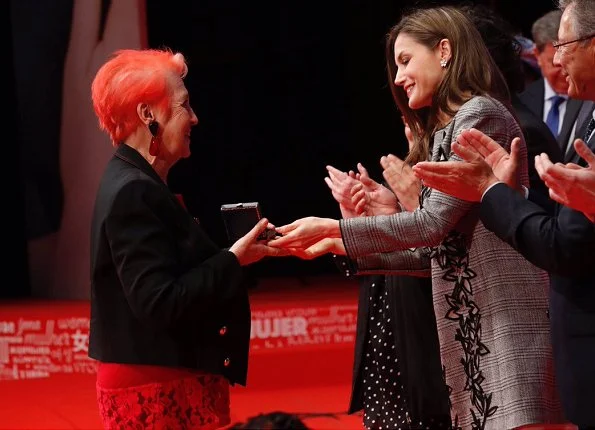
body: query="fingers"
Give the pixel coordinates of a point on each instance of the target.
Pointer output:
(430, 177)
(356, 189)
(558, 197)
(363, 172)
(394, 160)
(336, 172)
(277, 252)
(466, 152)
(571, 166)
(260, 226)
(321, 247)
(360, 207)
(542, 164)
(586, 154)
(285, 229)
(515, 151)
(434, 169)
(482, 143)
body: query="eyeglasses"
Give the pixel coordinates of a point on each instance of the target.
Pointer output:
(558, 45)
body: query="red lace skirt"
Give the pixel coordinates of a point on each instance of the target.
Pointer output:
(195, 402)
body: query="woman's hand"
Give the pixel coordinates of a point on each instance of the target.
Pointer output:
(371, 198)
(340, 184)
(305, 232)
(249, 249)
(400, 178)
(324, 246)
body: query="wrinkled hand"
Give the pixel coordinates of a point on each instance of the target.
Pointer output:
(484, 163)
(371, 198)
(340, 184)
(505, 166)
(571, 184)
(249, 250)
(324, 246)
(305, 232)
(400, 178)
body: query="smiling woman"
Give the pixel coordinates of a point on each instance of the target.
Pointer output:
(170, 318)
(490, 303)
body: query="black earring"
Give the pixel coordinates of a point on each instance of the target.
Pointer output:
(154, 128)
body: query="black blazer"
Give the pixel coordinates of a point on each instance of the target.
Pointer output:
(538, 139)
(583, 120)
(162, 293)
(564, 246)
(533, 97)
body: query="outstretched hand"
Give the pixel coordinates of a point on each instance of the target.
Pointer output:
(248, 249)
(305, 232)
(324, 246)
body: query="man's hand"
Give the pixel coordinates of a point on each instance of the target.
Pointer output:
(485, 162)
(571, 184)
(504, 165)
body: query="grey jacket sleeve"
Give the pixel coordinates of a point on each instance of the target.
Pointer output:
(377, 238)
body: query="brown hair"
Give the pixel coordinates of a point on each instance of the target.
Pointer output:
(471, 70)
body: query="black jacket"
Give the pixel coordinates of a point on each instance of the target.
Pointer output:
(564, 245)
(533, 97)
(162, 293)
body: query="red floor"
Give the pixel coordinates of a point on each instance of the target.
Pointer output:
(300, 359)
(305, 368)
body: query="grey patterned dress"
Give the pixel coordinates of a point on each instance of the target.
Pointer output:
(490, 303)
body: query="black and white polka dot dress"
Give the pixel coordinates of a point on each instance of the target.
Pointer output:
(384, 400)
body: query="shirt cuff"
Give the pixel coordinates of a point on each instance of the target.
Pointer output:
(525, 190)
(488, 189)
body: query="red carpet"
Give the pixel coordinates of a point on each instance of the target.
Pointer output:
(300, 360)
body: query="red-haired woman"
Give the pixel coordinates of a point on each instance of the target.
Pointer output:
(170, 319)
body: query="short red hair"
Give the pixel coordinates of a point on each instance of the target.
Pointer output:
(131, 77)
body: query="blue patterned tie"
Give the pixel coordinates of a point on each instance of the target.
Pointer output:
(553, 116)
(589, 130)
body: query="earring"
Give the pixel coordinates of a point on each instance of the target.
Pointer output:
(443, 63)
(154, 145)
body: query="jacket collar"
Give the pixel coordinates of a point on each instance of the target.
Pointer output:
(132, 156)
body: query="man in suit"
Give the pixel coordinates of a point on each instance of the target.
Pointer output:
(563, 244)
(548, 97)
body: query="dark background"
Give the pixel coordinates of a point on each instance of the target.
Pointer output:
(281, 89)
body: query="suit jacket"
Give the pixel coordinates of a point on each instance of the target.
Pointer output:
(565, 246)
(583, 119)
(162, 293)
(533, 97)
(538, 138)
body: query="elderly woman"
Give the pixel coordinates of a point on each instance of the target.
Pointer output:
(490, 303)
(170, 318)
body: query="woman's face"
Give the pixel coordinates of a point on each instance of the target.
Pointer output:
(175, 140)
(418, 70)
